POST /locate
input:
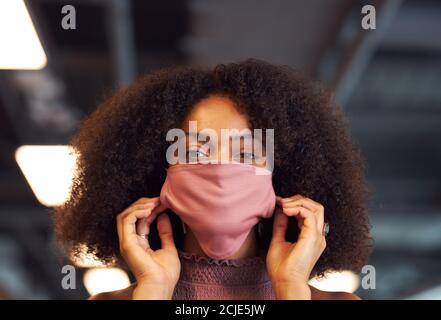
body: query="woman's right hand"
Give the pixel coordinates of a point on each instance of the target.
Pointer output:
(156, 272)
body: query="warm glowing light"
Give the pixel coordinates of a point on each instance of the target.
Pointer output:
(49, 171)
(105, 279)
(345, 281)
(85, 259)
(19, 42)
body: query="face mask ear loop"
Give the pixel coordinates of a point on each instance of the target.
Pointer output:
(260, 229)
(184, 229)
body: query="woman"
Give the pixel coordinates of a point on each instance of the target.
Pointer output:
(122, 211)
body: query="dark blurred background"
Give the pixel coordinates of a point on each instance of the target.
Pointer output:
(388, 81)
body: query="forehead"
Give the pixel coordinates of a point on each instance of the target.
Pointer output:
(216, 112)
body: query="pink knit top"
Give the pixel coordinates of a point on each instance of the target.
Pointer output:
(227, 279)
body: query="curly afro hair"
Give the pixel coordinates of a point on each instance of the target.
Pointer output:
(121, 156)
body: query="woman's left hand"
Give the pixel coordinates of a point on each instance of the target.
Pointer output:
(290, 264)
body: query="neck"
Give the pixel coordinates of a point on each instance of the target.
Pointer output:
(248, 248)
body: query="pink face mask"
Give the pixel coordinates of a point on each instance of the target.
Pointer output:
(219, 202)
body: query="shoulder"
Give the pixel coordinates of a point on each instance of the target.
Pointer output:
(123, 294)
(317, 294)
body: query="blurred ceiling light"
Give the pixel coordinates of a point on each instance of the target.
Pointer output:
(49, 171)
(105, 279)
(345, 281)
(20, 45)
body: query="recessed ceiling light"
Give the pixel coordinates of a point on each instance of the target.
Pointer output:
(20, 46)
(49, 171)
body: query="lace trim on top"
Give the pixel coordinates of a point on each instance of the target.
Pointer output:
(247, 272)
(207, 278)
(238, 262)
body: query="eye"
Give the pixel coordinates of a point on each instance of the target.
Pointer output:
(247, 156)
(196, 154)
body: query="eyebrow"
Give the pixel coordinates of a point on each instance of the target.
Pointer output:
(245, 136)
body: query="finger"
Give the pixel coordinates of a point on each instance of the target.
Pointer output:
(281, 201)
(309, 204)
(319, 211)
(128, 223)
(294, 197)
(165, 232)
(308, 229)
(304, 202)
(145, 200)
(307, 217)
(142, 227)
(280, 225)
(140, 204)
(159, 207)
(146, 205)
(156, 210)
(294, 212)
(122, 215)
